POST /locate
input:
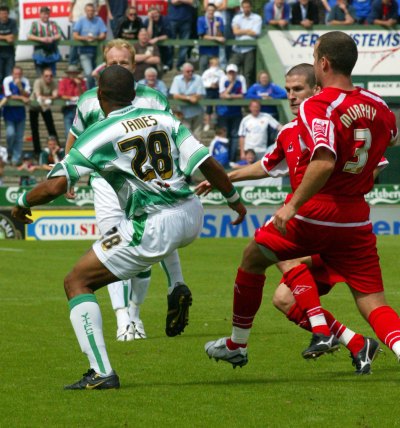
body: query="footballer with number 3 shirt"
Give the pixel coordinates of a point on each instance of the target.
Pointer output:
(347, 131)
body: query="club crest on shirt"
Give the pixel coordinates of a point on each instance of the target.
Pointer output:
(290, 148)
(320, 129)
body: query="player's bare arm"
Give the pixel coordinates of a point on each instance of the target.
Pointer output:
(217, 177)
(44, 192)
(250, 172)
(317, 174)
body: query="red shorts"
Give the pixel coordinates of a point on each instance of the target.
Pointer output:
(350, 251)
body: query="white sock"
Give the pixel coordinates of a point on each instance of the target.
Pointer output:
(396, 349)
(123, 318)
(172, 268)
(240, 335)
(87, 323)
(119, 294)
(140, 285)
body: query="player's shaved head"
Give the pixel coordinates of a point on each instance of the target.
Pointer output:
(116, 86)
(340, 49)
(306, 70)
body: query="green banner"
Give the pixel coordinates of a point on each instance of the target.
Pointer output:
(251, 195)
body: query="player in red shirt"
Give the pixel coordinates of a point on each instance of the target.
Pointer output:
(290, 157)
(346, 130)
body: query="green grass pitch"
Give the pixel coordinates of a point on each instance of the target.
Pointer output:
(169, 382)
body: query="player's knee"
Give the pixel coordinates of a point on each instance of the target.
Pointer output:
(254, 260)
(283, 298)
(73, 285)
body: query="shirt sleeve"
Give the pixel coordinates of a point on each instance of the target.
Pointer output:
(191, 152)
(316, 130)
(173, 90)
(274, 163)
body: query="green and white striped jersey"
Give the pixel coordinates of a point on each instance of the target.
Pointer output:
(144, 154)
(88, 109)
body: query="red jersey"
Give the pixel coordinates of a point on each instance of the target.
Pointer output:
(289, 155)
(357, 126)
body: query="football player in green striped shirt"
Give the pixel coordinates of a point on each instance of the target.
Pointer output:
(146, 156)
(127, 296)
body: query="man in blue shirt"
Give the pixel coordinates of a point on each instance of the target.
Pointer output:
(209, 27)
(16, 87)
(383, 12)
(8, 32)
(181, 15)
(90, 28)
(189, 87)
(264, 89)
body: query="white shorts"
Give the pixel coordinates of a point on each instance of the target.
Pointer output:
(108, 210)
(135, 245)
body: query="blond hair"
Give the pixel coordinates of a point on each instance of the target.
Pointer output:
(119, 44)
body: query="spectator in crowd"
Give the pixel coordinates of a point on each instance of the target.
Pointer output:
(158, 29)
(220, 12)
(383, 12)
(147, 55)
(51, 154)
(342, 14)
(249, 158)
(231, 87)
(44, 92)
(188, 87)
(277, 13)
(362, 8)
(3, 162)
(181, 15)
(48, 33)
(16, 87)
(232, 9)
(219, 147)
(69, 89)
(90, 28)
(253, 130)
(151, 80)
(129, 25)
(246, 26)
(211, 78)
(264, 89)
(304, 13)
(28, 164)
(209, 27)
(116, 10)
(76, 12)
(8, 33)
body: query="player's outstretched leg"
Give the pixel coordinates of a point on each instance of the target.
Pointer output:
(119, 294)
(87, 276)
(179, 297)
(140, 286)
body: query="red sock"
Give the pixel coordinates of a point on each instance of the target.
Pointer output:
(232, 345)
(386, 324)
(299, 317)
(357, 341)
(247, 296)
(305, 291)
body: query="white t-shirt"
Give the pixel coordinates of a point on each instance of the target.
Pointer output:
(254, 129)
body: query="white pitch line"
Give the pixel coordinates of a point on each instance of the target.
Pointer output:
(16, 250)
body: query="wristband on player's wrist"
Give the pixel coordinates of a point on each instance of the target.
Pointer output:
(232, 197)
(22, 202)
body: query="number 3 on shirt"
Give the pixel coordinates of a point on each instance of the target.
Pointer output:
(362, 138)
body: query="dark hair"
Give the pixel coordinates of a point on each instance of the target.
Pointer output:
(117, 85)
(306, 70)
(4, 8)
(246, 1)
(339, 49)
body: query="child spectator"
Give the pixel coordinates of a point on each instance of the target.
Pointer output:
(29, 166)
(51, 155)
(219, 147)
(211, 78)
(250, 157)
